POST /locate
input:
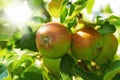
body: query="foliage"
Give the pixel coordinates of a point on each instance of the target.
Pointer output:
(20, 59)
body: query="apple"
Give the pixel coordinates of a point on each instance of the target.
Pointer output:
(85, 43)
(52, 65)
(53, 40)
(109, 48)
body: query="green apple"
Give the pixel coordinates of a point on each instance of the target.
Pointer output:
(53, 65)
(108, 50)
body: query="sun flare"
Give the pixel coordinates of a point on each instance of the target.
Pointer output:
(18, 12)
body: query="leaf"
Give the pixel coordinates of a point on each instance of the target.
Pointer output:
(38, 19)
(116, 77)
(70, 69)
(90, 5)
(85, 75)
(27, 41)
(38, 8)
(54, 7)
(17, 66)
(6, 32)
(72, 24)
(114, 20)
(72, 8)
(107, 9)
(99, 20)
(106, 28)
(3, 44)
(34, 72)
(3, 72)
(79, 2)
(66, 67)
(63, 13)
(75, 12)
(112, 70)
(35, 4)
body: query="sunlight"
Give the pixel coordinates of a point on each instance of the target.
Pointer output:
(118, 51)
(38, 62)
(18, 12)
(99, 4)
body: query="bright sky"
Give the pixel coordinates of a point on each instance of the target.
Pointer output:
(18, 12)
(115, 5)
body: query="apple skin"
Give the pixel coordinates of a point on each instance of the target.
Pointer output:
(109, 48)
(85, 43)
(53, 40)
(52, 65)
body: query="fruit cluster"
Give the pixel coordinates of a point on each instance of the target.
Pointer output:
(54, 40)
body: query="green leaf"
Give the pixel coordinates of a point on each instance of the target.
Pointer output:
(114, 20)
(116, 77)
(70, 69)
(34, 72)
(36, 4)
(27, 41)
(72, 24)
(90, 5)
(99, 20)
(54, 7)
(79, 2)
(84, 74)
(6, 32)
(3, 72)
(63, 13)
(66, 67)
(112, 70)
(3, 44)
(77, 10)
(72, 8)
(38, 19)
(106, 28)
(107, 9)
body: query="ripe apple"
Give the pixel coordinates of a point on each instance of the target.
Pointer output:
(53, 40)
(109, 48)
(53, 65)
(85, 43)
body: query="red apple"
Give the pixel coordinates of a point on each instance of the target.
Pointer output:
(86, 43)
(53, 40)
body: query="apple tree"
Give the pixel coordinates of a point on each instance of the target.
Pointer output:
(59, 40)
